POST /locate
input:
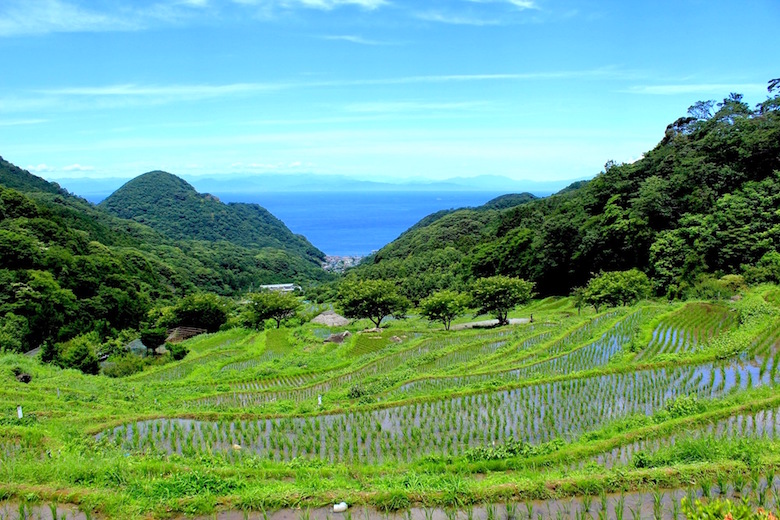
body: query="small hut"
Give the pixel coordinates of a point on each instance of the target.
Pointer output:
(331, 319)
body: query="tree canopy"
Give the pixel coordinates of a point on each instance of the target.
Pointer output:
(617, 287)
(274, 305)
(497, 295)
(444, 306)
(371, 299)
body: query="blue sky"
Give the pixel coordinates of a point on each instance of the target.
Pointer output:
(377, 89)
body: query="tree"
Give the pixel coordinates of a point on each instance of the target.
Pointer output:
(273, 305)
(617, 287)
(372, 299)
(444, 306)
(205, 310)
(497, 295)
(153, 338)
(12, 330)
(79, 353)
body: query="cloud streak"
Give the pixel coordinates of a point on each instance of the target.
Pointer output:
(355, 39)
(132, 95)
(39, 17)
(34, 17)
(695, 88)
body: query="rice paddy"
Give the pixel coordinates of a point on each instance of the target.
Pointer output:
(627, 412)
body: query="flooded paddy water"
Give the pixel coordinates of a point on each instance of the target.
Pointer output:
(649, 504)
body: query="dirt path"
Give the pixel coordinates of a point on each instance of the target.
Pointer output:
(487, 323)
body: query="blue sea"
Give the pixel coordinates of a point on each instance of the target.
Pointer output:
(356, 223)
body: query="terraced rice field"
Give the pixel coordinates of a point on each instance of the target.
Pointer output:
(421, 421)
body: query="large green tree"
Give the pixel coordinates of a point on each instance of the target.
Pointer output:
(444, 306)
(274, 305)
(617, 287)
(371, 299)
(497, 295)
(205, 310)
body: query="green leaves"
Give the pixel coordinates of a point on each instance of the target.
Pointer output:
(371, 299)
(273, 305)
(444, 306)
(497, 295)
(616, 287)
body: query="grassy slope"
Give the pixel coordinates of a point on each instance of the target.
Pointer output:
(53, 455)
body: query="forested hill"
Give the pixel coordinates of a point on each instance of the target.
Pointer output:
(68, 268)
(172, 206)
(704, 202)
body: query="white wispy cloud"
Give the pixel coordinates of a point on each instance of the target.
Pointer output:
(520, 4)
(25, 17)
(186, 91)
(77, 168)
(38, 17)
(696, 88)
(456, 19)
(412, 106)
(354, 39)
(39, 168)
(23, 122)
(133, 95)
(332, 4)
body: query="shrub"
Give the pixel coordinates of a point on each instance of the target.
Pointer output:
(177, 350)
(719, 509)
(122, 366)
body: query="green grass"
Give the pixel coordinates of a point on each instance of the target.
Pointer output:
(261, 440)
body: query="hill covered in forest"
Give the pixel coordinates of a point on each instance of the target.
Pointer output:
(68, 267)
(172, 206)
(703, 203)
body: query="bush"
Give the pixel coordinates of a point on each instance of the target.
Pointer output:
(356, 392)
(122, 366)
(153, 338)
(79, 353)
(177, 350)
(719, 509)
(683, 406)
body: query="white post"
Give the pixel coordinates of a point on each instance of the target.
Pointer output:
(319, 400)
(19, 411)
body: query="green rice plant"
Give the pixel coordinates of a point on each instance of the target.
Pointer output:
(587, 502)
(720, 479)
(636, 513)
(603, 501)
(705, 488)
(450, 513)
(658, 497)
(469, 512)
(675, 508)
(529, 510)
(619, 506)
(738, 484)
(490, 511)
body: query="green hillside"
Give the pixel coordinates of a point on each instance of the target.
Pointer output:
(172, 206)
(702, 203)
(68, 268)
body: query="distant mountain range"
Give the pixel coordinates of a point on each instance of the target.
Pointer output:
(96, 189)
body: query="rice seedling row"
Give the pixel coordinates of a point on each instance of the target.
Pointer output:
(384, 364)
(535, 414)
(687, 328)
(591, 355)
(185, 368)
(761, 424)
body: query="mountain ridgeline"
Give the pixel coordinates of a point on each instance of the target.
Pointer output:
(173, 207)
(68, 268)
(703, 203)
